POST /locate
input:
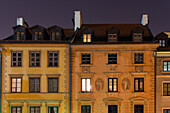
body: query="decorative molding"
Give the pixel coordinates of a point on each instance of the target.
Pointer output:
(112, 74)
(34, 75)
(53, 75)
(86, 69)
(133, 74)
(16, 75)
(138, 68)
(86, 75)
(112, 100)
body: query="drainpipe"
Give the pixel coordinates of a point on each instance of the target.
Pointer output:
(70, 74)
(155, 53)
(0, 78)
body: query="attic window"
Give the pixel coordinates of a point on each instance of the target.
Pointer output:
(137, 37)
(112, 37)
(86, 37)
(20, 35)
(38, 35)
(162, 43)
(55, 35)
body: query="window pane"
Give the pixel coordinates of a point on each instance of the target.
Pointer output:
(88, 85)
(83, 85)
(110, 84)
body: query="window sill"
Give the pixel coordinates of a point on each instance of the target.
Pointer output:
(112, 64)
(139, 92)
(86, 65)
(139, 64)
(112, 92)
(85, 92)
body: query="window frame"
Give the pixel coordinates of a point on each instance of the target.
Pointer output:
(167, 89)
(85, 61)
(34, 108)
(139, 85)
(34, 58)
(87, 39)
(38, 35)
(137, 39)
(52, 107)
(162, 42)
(54, 35)
(112, 39)
(52, 86)
(20, 35)
(113, 62)
(166, 66)
(34, 85)
(113, 106)
(16, 58)
(16, 108)
(143, 107)
(139, 62)
(85, 85)
(53, 58)
(16, 84)
(85, 107)
(113, 85)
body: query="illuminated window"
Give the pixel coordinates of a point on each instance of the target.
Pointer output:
(34, 109)
(139, 85)
(16, 109)
(16, 84)
(86, 85)
(38, 35)
(20, 35)
(86, 37)
(137, 37)
(138, 58)
(34, 59)
(113, 84)
(162, 43)
(55, 35)
(86, 109)
(166, 89)
(16, 59)
(112, 37)
(166, 65)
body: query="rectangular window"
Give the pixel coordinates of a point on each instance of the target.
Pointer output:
(112, 37)
(52, 59)
(112, 109)
(137, 37)
(52, 85)
(139, 85)
(16, 109)
(35, 109)
(53, 109)
(139, 57)
(113, 84)
(166, 110)
(166, 65)
(16, 58)
(38, 35)
(162, 43)
(34, 85)
(34, 59)
(166, 89)
(85, 58)
(86, 85)
(20, 35)
(85, 109)
(138, 109)
(16, 84)
(112, 58)
(55, 35)
(86, 37)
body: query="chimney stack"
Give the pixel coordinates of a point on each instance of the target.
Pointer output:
(20, 21)
(145, 19)
(77, 20)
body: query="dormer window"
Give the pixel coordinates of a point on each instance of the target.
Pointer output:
(162, 43)
(86, 37)
(20, 35)
(55, 35)
(38, 35)
(137, 37)
(112, 37)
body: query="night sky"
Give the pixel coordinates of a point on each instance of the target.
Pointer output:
(60, 12)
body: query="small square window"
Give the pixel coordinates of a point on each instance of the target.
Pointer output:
(139, 85)
(34, 109)
(52, 59)
(112, 37)
(85, 58)
(166, 66)
(34, 59)
(16, 58)
(139, 57)
(86, 85)
(137, 37)
(38, 35)
(53, 109)
(16, 109)
(139, 109)
(86, 37)
(162, 43)
(86, 109)
(112, 58)
(20, 35)
(55, 35)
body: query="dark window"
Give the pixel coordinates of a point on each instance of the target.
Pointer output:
(86, 85)
(86, 37)
(53, 59)
(38, 35)
(139, 85)
(112, 58)
(86, 109)
(16, 59)
(16, 109)
(53, 109)
(139, 58)
(113, 84)
(137, 37)
(35, 109)
(55, 35)
(34, 59)
(34, 85)
(166, 111)
(20, 35)
(112, 109)
(112, 37)
(166, 65)
(138, 109)
(166, 89)
(16, 84)
(162, 43)
(85, 58)
(52, 85)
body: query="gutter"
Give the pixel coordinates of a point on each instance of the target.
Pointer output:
(155, 53)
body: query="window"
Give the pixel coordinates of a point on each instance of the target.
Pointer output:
(20, 35)
(112, 109)
(16, 59)
(112, 37)
(113, 84)
(86, 37)
(166, 111)
(85, 58)
(52, 85)
(34, 85)
(16, 109)
(112, 58)
(139, 85)
(86, 85)
(162, 43)
(166, 65)
(166, 89)
(138, 109)
(137, 37)
(38, 35)
(35, 109)
(52, 59)
(34, 59)
(16, 85)
(139, 58)
(85, 109)
(53, 109)
(55, 35)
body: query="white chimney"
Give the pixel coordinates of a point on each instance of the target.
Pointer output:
(20, 21)
(145, 19)
(77, 20)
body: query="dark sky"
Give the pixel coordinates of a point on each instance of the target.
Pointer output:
(60, 12)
